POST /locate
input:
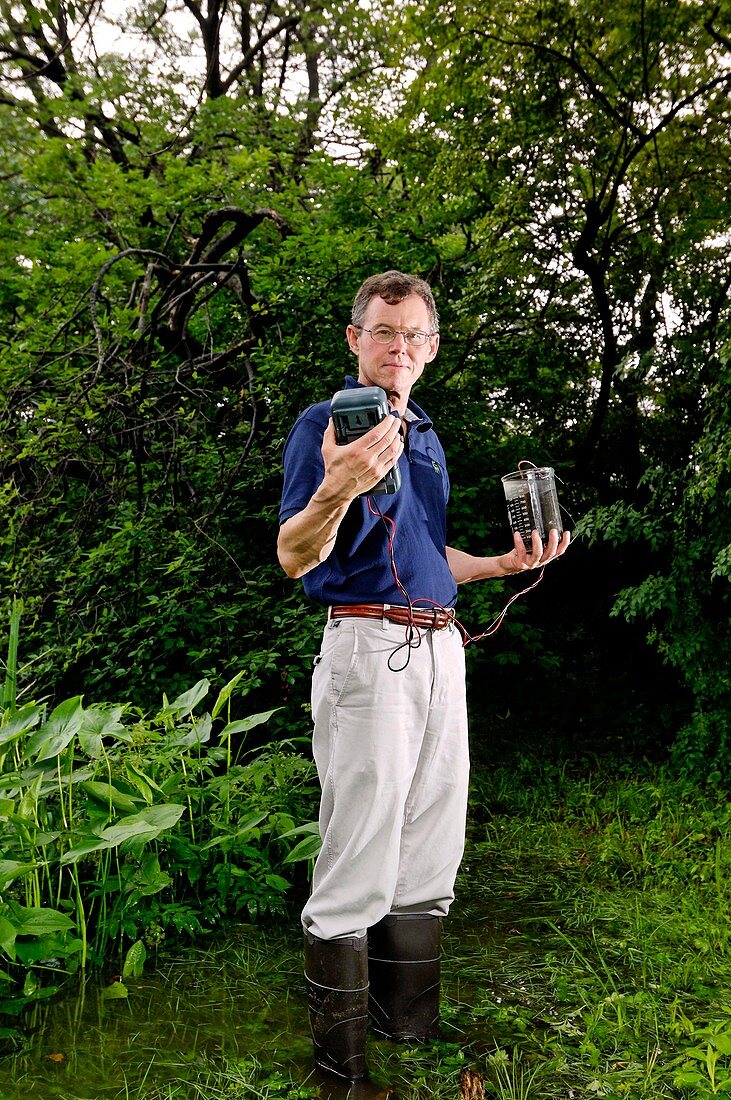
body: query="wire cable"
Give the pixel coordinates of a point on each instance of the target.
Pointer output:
(413, 637)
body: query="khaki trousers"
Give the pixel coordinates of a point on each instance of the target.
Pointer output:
(392, 757)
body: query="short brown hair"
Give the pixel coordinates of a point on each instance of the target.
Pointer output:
(393, 287)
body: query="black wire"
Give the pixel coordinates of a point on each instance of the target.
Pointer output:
(413, 634)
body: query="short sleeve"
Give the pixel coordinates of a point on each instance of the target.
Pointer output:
(303, 465)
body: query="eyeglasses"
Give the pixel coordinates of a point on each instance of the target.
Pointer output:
(384, 334)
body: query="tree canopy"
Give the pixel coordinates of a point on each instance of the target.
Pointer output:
(186, 216)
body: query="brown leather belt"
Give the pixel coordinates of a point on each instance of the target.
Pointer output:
(432, 618)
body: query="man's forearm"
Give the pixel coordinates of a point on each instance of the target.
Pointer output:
(467, 567)
(307, 538)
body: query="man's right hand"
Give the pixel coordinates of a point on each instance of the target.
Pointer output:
(358, 466)
(307, 538)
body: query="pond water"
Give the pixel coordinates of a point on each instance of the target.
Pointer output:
(240, 999)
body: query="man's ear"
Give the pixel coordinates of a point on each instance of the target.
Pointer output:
(433, 348)
(352, 335)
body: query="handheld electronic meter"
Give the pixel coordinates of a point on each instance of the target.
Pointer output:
(354, 413)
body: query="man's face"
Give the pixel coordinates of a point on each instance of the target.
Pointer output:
(394, 366)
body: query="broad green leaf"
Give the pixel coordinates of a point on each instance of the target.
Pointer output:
(23, 720)
(242, 830)
(141, 827)
(225, 694)
(198, 733)
(688, 1077)
(117, 991)
(98, 724)
(722, 1042)
(245, 724)
(134, 962)
(149, 886)
(40, 921)
(155, 819)
(84, 849)
(308, 848)
(28, 805)
(37, 949)
(141, 778)
(277, 883)
(700, 1053)
(10, 869)
(310, 827)
(60, 729)
(140, 783)
(108, 795)
(103, 721)
(8, 932)
(186, 702)
(150, 879)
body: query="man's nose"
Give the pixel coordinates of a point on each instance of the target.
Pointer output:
(399, 336)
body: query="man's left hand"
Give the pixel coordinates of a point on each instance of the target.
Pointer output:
(519, 559)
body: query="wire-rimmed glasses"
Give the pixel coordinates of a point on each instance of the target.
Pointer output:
(384, 334)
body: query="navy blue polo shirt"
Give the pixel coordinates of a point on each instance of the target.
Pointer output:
(358, 569)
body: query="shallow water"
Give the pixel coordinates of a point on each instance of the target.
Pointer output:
(240, 999)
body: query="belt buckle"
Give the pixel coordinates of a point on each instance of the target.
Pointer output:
(445, 616)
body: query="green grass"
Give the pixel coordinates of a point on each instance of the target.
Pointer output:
(587, 955)
(612, 894)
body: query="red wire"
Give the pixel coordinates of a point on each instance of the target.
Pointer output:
(466, 637)
(497, 622)
(392, 536)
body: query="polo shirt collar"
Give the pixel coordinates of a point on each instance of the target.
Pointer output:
(415, 415)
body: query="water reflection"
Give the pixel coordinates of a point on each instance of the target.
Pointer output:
(239, 999)
(242, 1000)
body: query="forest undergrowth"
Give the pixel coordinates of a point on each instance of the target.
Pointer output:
(587, 955)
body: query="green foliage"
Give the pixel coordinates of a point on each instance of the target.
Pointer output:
(588, 951)
(611, 887)
(585, 288)
(118, 827)
(682, 530)
(182, 232)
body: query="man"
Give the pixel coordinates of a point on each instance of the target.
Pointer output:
(388, 692)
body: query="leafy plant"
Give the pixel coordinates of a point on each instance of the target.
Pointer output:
(117, 828)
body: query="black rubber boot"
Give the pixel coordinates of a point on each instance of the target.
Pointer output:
(336, 972)
(331, 1088)
(404, 968)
